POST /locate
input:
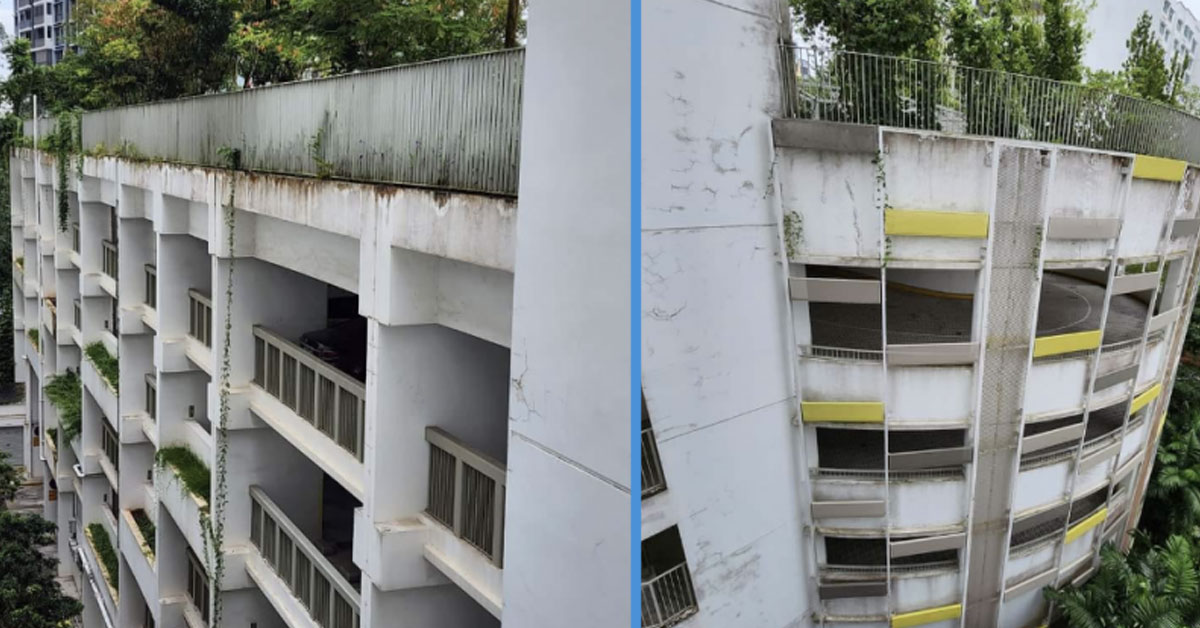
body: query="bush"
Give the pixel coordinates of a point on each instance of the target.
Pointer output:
(33, 337)
(145, 526)
(189, 467)
(66, 395)
(105, 552)
(105, 362)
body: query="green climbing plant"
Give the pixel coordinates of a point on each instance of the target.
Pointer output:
(65, 393)
(106, 363)
(213, 521)
(64, 143)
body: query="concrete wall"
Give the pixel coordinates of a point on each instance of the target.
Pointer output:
(715, 373)
(568, 446)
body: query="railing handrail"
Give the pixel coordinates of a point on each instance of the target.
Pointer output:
(839, 353)
(306, 546)
(196, 295)
(668, 572)
(653, 479)
(867, 88)
(305, 357)
(478, 460)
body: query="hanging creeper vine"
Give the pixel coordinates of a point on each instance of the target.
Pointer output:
(213, 522)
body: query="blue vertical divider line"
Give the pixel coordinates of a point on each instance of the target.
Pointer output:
(635, 307)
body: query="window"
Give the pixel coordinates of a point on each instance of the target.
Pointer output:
(197, 584)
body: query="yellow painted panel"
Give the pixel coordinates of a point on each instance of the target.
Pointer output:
(1141, 400)
(1080, 528)
(842, 411)
(1065, 343)
(927, 616)
(912, 222)
(1162, 419)
(1158, 168)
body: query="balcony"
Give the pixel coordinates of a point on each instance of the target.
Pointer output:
(667, 593)
(200, 317)
(312, 580)
(325, 397)
(668, 597)
(109, 261)
(466, 493)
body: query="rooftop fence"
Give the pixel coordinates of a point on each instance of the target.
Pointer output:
(452, 123)
(842, 86)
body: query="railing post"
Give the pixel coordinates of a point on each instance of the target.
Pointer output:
(458, 495)
(498, 525)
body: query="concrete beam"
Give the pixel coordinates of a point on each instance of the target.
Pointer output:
(828, 136)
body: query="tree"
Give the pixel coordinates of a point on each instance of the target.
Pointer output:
(29, 595)
(1155, 589)
(346, 35)
(906, 28)
(10, 480)
(1146, 67)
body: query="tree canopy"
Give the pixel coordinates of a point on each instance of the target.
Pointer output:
(29, 595)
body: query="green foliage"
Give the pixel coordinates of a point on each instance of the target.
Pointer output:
(145, 526)
(316, 150)
(906, 28)
(64, 142)
(105, 553)
(52, 434)
(65, 393)
(30, 597)
(1147, 73)
(10, 480)
(106, 363)
(1160, 587)
(191, 470)
(32, 333)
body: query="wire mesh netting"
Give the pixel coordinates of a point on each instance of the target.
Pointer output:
(844, 86)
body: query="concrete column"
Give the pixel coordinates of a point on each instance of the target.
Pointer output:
(569, 404)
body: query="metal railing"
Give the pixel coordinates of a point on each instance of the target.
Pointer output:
(668, 597)
(1120, 345)
(151, 286)
(877, 475)
(109, 261)
(331, 601)
(330, 400)
(653, 480)
(843, 86)
(837, 353)
(466, 493)
(75, 237)
(151, 397)
(452, 123)
(200, 317)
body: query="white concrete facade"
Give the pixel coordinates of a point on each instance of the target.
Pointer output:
(412, 436)
(858, 411)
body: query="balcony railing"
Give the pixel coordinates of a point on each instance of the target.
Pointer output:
(75, 237)
(151, 286)
(653, 480)
(330, 599)
(861, 88)
(668, 597)
(109, 263)
(200, 317)
(466, 493)
(327, 398)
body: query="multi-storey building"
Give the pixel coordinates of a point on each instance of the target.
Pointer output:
(1111, 21)
(46, 24)
(343, 386)
(894, 375)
